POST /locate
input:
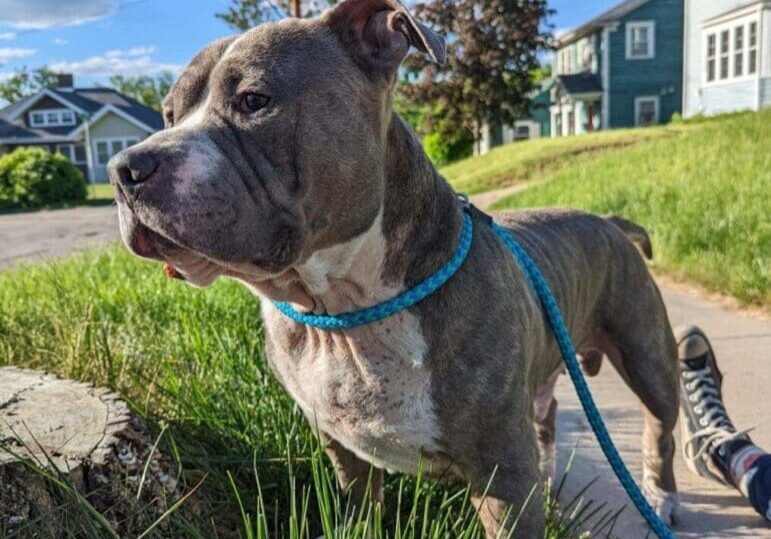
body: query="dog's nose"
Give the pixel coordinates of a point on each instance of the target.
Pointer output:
(131, 168)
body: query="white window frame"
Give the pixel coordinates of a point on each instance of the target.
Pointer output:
(752, 47)
(650, 26)
(58, 114)
(110, 141)
(730, 26)
(710, 56)
(657, 108)
(71, 153)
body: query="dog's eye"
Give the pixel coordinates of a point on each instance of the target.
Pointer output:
(252, 102)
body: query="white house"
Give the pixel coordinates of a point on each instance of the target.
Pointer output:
(727, 53)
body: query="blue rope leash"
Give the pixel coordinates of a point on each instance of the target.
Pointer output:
(403, 301)
(539, 285)
(554, 315)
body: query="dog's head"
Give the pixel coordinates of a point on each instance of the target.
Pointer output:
(274, 145)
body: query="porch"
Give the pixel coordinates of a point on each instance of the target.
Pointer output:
(577, 105)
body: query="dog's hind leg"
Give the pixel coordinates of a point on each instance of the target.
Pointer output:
(645, 355)
(545, 419)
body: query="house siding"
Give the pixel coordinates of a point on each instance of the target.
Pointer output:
(765, 92)
(660, 76)
(111, 126)
(729, 97)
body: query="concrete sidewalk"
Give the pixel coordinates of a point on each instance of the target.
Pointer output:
(743, 347)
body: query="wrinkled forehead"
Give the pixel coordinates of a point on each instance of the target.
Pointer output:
(280, 58)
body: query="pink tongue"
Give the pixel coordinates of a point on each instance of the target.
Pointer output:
(172, 272)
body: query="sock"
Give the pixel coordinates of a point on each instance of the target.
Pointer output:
(750, 470)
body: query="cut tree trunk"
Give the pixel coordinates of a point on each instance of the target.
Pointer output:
(89, 441)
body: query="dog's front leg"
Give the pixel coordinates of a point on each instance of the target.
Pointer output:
(359, 479)
(506, 485)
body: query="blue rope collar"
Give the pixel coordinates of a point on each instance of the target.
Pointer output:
(538, 283)
(403, 301)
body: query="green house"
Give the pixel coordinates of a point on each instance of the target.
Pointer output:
(623, 68)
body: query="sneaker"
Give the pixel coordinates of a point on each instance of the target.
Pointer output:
(708, 436)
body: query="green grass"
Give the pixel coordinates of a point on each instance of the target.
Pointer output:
(192, 360)
(704, 194)
(101, 192)
(532, 159)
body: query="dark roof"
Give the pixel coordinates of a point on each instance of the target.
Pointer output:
(612, 15)
(9, 130)
(93, 99)
(583, 83)
(90, 100)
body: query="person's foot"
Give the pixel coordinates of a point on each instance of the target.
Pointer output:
(708, 436)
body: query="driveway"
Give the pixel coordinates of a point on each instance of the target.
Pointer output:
(43, 235)
(743, 345)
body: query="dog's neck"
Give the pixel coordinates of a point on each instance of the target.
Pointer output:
(415, 233)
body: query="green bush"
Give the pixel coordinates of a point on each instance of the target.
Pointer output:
(32, 177)
(443, 150)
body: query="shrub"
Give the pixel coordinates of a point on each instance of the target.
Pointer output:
(32, 177)
(443, 150)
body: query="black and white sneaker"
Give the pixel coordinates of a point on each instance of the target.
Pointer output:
(708, 436)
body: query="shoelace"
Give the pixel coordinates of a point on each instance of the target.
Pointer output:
(717, 427)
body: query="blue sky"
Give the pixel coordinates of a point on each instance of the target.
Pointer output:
(95, 39)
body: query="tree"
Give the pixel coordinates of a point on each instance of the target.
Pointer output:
(146, 89)
(492, 51)
(25, 82)
(245, 14)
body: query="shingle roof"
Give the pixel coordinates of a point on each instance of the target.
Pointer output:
(583, 83)
(613, 14)
(91, 100)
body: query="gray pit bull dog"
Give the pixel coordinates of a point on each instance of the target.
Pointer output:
(283, 166)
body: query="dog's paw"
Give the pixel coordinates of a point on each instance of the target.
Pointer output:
(665, 504)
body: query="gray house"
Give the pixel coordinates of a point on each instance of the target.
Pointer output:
(727, 53)
(87, 125)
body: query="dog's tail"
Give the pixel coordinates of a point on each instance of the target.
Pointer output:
(634, 232)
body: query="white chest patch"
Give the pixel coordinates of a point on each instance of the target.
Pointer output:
(367, 388)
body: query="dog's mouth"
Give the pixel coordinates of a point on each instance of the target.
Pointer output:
(184, 263)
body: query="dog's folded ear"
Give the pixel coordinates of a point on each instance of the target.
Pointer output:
(379, 33)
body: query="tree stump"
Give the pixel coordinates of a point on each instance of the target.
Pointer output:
(86, 438)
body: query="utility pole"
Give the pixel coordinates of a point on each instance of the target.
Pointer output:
(296, 9)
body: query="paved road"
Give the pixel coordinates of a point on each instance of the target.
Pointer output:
(743, 345)
(40, 236)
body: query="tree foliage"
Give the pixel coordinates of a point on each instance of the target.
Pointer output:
(245, 14)
(492, 51)
(148, 90)
(26, 82)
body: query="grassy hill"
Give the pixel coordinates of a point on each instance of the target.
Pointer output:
(702, 190)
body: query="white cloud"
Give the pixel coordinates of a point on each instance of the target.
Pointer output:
(39, 14)
(14, 54)
(130, 53)
(60, 41)
(131, 62)
(7, 36)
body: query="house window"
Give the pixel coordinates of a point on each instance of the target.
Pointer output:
(724, 58)
(738, 51)
(76, 153)
(571, 122)
(640, 40)
(51, 118)
(102, 153)
(106, 148)
(646, 110)
(711, 56)
(752, 63)
(521, 132)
